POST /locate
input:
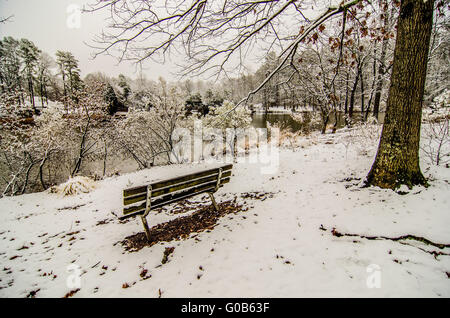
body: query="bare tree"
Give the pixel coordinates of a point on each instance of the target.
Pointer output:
(146, 136)
(215, 35)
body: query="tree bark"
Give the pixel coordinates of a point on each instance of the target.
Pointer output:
(372, 89)
(31, 89)
(362, 96)
(325, 120)
(381, 69)
(397, 160)
(353, 92)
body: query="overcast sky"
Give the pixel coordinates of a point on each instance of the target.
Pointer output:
(45, 23)
(48, 24)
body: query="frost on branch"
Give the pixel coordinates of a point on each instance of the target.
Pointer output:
(435, 129)
(40, 151)
(231, 121)
(146, 136)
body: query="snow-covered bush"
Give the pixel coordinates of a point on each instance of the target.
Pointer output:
(308, 121)
(40, 151)
(17, 155)
(287, 137)
(73, 136)
(364, 136)
(146, 136)
(232, 121)
(228, 116)
(435, 141)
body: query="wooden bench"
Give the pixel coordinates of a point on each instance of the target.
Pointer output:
(140, 200)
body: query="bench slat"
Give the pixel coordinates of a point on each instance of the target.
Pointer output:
(162, 184)
(170, 198)
(188, 183)
(191, 191)
(176, 187)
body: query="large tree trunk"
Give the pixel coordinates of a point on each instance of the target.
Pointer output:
(397, 160)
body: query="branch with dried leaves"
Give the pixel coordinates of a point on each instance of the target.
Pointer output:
(290, 51)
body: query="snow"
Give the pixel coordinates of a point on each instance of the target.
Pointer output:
(275, 249)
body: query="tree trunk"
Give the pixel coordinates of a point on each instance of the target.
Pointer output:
(352, 93)
(65, 91)
(41, 171)
(105, 157)
(31, 89)
(381, 69)
(397, 160)
(346, 100)
(374, 79)
(336, 120)
(325, 119)
(42, 95)
(362, 96)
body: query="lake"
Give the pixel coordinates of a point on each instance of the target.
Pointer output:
(260, 120)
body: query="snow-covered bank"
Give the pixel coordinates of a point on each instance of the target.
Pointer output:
(277, 248)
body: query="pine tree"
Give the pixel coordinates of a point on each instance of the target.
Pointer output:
(194, 102)
(29, 54)
(70, 74)
(73, 72)
(10, 65)
(60, 61)
(45, 62)
(126, 90)
(111, 100)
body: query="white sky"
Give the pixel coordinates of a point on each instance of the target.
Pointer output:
(45, 23)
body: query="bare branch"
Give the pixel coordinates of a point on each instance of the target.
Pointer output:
(290, 51)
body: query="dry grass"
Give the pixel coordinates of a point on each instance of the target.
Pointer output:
(74, 186)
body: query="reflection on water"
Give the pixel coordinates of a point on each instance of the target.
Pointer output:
(260, 120)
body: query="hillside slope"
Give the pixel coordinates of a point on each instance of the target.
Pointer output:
(282, 246)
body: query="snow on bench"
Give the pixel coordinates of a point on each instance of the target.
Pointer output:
(140, 200)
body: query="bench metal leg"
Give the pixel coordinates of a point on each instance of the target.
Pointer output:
(211, 195)
(147, 211)
(146, 228)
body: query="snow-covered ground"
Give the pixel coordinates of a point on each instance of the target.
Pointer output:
(281, 247)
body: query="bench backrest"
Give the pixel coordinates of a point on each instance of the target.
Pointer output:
(173, 190)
